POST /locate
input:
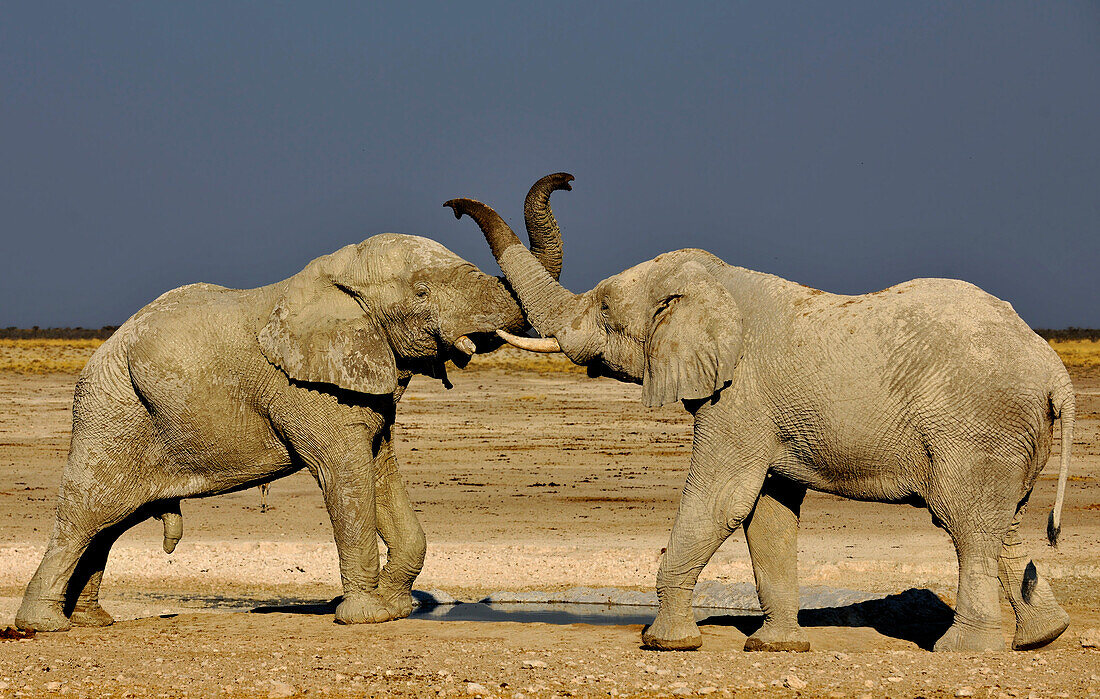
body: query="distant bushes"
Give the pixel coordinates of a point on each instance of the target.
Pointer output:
(37, 333)
(1070, 333)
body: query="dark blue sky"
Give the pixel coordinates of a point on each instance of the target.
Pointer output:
(848, 146)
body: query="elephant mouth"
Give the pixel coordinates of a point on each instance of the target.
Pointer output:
(462, 348)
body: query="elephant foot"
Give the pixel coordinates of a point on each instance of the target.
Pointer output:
(772, 638)
(970, 640)
(92, 615)
(401, 601)
(366, 608)
(667, 634)
(40, 615)
(1036, 631)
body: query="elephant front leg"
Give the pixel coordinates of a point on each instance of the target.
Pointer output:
(348, 486)
(402, 534)
(771, 531)
(697, 533)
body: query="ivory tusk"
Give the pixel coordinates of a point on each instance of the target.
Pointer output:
(546, 345)
(466, 346)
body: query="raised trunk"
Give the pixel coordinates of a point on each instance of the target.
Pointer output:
(542, 227)
(547, 304)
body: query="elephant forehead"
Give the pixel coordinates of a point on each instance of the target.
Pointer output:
(411, 249)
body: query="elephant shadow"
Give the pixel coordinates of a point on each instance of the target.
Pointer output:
(915, 615)
(321, 608)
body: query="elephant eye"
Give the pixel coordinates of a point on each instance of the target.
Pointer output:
(422, 291)
(665, 303)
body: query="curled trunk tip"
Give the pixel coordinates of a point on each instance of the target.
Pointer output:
(542, 227)
(497, 233)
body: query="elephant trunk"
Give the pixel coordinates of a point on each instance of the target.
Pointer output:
(542, 227)
(547, 304)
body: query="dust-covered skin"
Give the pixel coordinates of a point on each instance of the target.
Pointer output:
(931, 393)
(209, 390)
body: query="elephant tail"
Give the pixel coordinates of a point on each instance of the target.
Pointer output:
(1065, 407)
(173, 526)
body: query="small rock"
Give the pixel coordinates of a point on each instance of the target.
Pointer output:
(533, 663)
(682, 691)
(707, 690)
(53, 686)
(281, 689)
(475, 689)
(964, 692)
(1090, 638)
(651, 668)
(794, 682)
(893, 679)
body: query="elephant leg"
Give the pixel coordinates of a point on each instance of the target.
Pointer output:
(771, 531)
(401, 532)
(86, 579)
(80, 519)
(344, 467)
(978, 526)
(703, 522)
(1039, 618)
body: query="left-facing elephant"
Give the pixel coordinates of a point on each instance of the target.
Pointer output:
(209, 390)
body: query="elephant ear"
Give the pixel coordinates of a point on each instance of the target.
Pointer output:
(319, 333)
(693, 339)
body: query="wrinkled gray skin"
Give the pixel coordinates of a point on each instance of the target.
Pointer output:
(931, 393)
(209, 390)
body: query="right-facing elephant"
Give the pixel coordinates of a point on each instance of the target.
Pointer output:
(931, 393)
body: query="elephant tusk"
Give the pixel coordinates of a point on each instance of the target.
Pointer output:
(546, 345)
(466, 346)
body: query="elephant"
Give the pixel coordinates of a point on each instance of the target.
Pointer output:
(930, 393)
(210, 390)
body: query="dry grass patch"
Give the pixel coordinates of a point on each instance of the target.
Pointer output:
(46, 356)
(1078, 354)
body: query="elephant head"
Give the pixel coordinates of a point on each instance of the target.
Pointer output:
(667, 324)
(393, 303)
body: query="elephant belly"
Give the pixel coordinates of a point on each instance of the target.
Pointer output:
(858, 457)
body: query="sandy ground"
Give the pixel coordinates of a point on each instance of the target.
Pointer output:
(524, 480)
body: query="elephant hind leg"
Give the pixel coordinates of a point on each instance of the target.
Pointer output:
(1039, 618)
(76, 553)
(978, 523)
(82, 600)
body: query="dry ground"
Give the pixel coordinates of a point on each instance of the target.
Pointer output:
(526, 477)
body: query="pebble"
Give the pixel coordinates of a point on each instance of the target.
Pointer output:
(475, 689)
(1090, 638)
(794, 682)
(53, 686)
(707, 690)
(533, 663)
(281, 689)
(964, 692)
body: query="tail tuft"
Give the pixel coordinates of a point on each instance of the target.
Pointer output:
(1053, 530)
